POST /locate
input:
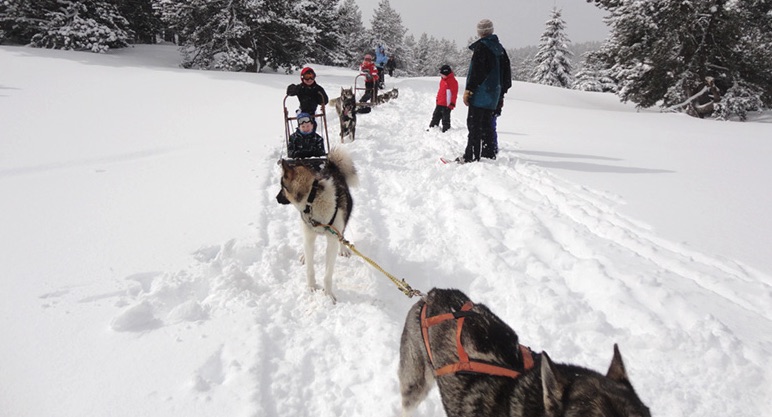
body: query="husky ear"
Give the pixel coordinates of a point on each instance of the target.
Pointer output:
(552, 387)
(286, 169)
(616, 371)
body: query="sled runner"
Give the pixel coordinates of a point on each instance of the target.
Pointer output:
(320, 127)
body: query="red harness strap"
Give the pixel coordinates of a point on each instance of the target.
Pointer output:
(464, 364)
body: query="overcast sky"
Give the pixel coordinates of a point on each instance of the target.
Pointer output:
(518, 23)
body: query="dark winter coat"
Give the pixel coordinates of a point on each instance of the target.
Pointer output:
(309, 96)
(490, 75)
(306, 145)
(448, 91)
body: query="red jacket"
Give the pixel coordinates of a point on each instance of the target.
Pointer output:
(446, 96)
(368, 67)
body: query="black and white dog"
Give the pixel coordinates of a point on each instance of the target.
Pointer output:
(482, 370)
(323, 199)
(345, 106)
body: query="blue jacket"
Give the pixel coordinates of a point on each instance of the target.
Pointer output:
(490, 75)
(380, 56)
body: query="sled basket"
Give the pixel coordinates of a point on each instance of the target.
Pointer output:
(290, 123)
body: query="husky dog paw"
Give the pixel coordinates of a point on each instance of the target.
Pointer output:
(331, 295)
(302, 259)
(344, 252)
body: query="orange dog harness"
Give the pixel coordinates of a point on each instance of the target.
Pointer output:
(464, 364)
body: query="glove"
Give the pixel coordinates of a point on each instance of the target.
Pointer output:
(467, 95)
(452, 106)
(292, 90)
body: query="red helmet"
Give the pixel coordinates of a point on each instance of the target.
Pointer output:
(307, 70)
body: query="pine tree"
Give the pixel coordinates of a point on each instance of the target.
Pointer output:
(240, 35)
(553, 61)
(84, 25)
(323, 16)
(353, 34)
(387, 30)
(142, 19)
(20, 20)
(593, 77)
(696, 56)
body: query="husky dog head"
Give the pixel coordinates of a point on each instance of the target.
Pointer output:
(296, 182)
(574, 391)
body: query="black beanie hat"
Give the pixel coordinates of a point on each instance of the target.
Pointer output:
(445, 70)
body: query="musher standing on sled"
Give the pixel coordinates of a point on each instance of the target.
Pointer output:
(309, 93)
(371, 78)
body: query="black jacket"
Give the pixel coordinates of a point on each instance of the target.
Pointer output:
(309, 96)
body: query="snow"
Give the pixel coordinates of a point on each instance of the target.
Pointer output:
(148, 270)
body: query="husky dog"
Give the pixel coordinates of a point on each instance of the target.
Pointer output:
(345, 106)
(482, 370)
(322, 197)
(383, 98)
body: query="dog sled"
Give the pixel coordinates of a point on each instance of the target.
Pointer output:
(360, 85)
(320, 123)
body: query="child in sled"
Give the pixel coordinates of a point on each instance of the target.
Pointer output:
(305, 142)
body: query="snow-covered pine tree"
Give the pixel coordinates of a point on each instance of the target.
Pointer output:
(593, 77)
(323, 15)
(670, 53)
(240, 35)
(20, 19)
(142, 19)
(553, 61)
(354, 37)
(386, 29)
(84, 25)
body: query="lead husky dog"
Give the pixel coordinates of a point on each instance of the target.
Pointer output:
(323, 198)
(533, 386)
(345, 106)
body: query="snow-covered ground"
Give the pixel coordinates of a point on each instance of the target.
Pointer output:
(147, 269)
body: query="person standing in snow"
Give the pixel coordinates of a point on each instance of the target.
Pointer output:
(446, 98)
(309, 93)
(380, 63)
(371, 78)
(391, 65)
(488, 79)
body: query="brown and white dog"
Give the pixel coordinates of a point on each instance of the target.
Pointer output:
(321, 194)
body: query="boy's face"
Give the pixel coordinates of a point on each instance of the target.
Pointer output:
(306, 127)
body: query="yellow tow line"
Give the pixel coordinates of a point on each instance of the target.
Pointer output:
(400, 283)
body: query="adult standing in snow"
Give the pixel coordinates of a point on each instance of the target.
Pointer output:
(391, 65)
(371, 78)
(309, 93)
(446, 98)
(488, 79)
(380, 63)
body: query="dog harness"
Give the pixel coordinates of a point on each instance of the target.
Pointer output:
(464, 364)
(310, 200)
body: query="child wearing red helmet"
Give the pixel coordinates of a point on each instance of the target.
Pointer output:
(309, 93)
(371, 78)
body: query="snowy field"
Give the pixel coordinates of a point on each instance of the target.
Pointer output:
(147, 269)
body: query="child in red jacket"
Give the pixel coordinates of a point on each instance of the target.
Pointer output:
(371, 78)
(446, 98)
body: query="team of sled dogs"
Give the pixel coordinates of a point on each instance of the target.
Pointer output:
(474, 358)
